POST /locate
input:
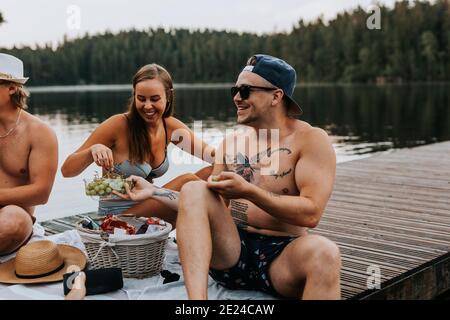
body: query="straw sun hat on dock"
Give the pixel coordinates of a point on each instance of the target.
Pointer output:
(41, 262)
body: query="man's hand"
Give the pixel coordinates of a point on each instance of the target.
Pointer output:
(229, 185)
(142, 189)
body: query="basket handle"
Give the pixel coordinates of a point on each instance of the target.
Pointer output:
(105, 244)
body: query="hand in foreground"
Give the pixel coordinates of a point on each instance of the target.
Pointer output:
(78, 291)
(142, 189)
(229, 185)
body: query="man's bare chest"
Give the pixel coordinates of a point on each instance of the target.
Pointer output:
(14, 156)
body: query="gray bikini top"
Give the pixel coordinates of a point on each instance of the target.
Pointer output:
(144, 170)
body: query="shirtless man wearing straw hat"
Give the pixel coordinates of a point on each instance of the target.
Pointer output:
(28, 158)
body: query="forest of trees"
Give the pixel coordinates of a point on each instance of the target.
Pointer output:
(412, 45)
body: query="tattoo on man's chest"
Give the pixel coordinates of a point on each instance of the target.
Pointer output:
(246, 167)
(268, 153)
(239, 213)
(280, 175)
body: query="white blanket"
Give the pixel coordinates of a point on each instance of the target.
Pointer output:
(145, 289)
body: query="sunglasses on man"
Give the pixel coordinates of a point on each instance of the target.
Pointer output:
(245, 90)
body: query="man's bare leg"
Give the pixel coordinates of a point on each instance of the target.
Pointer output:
(15, 228)
(206, 236)
(308, 268)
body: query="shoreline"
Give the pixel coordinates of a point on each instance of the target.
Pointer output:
(218, 85)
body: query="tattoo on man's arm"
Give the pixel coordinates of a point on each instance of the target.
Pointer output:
(281, 175)
(166, 194)
(239, 213)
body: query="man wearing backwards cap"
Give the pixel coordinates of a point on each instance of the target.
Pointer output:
(248, 226)
(28, 158)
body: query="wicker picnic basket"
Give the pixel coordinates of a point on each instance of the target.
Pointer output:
(139, 256)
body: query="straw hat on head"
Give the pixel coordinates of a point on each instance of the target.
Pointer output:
(11, 69)
(41, 262)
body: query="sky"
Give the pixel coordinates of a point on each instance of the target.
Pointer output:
(30, 22)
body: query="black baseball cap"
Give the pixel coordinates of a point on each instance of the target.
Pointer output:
(279, 73)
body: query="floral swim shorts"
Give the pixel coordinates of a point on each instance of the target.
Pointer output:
(252, 269)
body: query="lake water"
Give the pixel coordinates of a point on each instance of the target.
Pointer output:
(361, 121)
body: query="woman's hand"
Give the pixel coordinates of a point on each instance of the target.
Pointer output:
(230, 185)
(78, 291)
(102, 156)
(142, 189)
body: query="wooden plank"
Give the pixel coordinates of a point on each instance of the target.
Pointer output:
(372, 185)
(433, 206)
(381, 236)
(377, 245)
(400, 171)
(348, 258)
(406, 220)
(402, 194)
(391, 212)
(403, 231)
(436, 228)
(392, 165)
(382, 205)
(425, 183)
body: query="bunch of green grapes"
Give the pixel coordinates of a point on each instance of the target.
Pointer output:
(106, 185)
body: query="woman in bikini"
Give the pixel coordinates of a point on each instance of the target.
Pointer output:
(135, 143)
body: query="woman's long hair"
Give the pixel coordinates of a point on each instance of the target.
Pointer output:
(139, 144)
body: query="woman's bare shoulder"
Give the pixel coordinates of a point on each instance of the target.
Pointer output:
(176, 128)
(174, 123)
(117, 120)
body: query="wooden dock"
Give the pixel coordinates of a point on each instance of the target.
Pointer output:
(388, 213)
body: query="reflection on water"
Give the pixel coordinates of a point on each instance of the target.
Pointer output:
(361, 120)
